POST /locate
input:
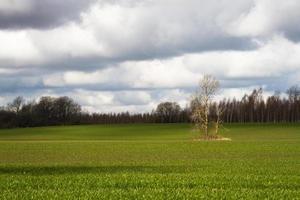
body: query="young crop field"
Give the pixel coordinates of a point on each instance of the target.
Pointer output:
(150, 161)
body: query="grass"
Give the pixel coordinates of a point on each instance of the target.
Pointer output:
(159, 161)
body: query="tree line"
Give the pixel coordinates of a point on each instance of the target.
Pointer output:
(252, 108)
(48, 111)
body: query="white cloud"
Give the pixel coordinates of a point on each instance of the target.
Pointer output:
(17, 49)
(10, 7)
(2, 100)
(143, 28)
(129, 30)
(67, 42)
(109, 101)
(184, 71)
(54, 80)
(239, 93)
(6, 71)
(267, 17)
(132, 98)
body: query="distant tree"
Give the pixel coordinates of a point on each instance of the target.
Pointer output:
(16, 104)
(7, 119)
(294, 98)
(168, 112)
(294, 93)
(65, 110)
(202, 100)
(27, 116)
(44, 111)
(220, 109)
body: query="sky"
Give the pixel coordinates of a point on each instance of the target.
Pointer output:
(130, 55)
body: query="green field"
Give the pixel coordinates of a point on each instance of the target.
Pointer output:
(149, 162)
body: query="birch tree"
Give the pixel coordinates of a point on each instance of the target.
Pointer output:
(201, 101)
(219, 113)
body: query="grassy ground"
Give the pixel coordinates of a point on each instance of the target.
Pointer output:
(149, 162)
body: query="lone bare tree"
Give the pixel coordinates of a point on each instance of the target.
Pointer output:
(201, 101)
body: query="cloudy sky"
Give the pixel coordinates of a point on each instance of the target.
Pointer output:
(118, 55)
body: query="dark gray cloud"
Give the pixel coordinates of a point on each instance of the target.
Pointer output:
(42, 14)
(293, 33)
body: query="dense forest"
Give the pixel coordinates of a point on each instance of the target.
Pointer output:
(252, 107)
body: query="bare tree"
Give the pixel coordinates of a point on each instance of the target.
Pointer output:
(294, 93)
(202, 99)
(16, 105)
(219, 113)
